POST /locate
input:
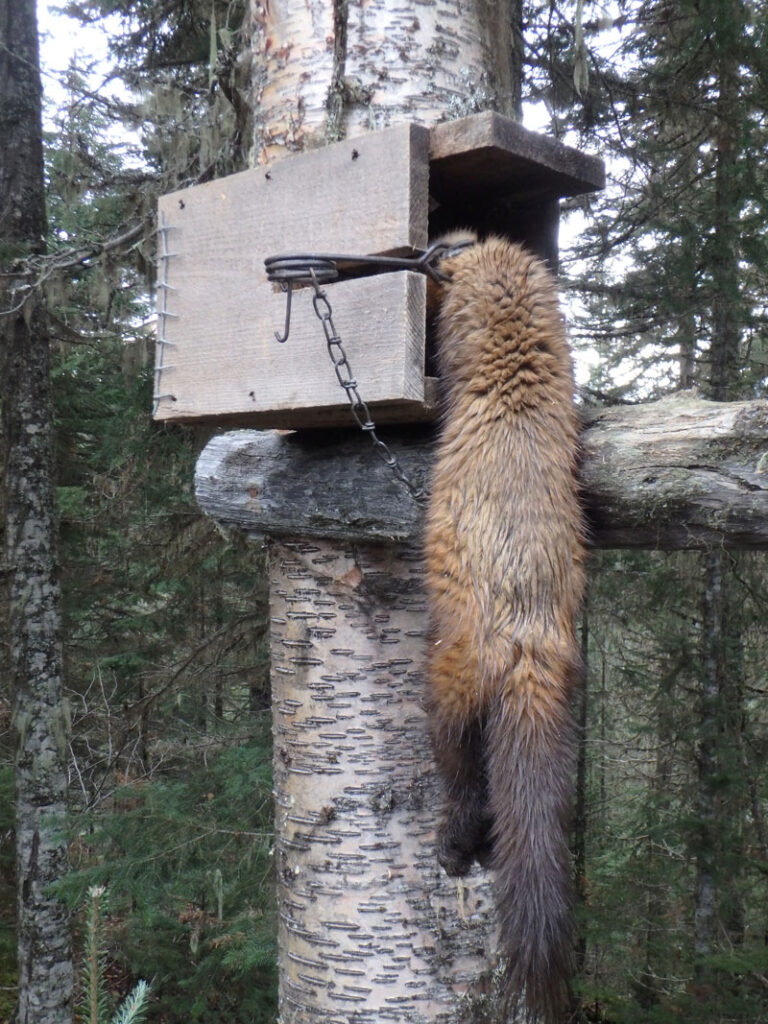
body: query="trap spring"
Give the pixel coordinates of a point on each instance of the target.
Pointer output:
(298, 268)
(323, 268)
(310, 269)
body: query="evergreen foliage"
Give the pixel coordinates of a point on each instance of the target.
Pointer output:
(95, 1001)
(165, 625)
(679, 103)
(667, 283)
(644, 826)
(188, 65)
(165, 619)
(187, 859)
(94, 1004)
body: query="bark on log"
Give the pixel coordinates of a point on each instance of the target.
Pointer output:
(674, 474)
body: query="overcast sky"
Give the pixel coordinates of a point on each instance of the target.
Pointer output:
(60, 39)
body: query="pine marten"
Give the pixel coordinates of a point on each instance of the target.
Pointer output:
(505, 574)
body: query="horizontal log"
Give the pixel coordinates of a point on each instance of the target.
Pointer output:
(678, 473)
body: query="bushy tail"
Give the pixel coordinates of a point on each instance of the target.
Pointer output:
(531, 753)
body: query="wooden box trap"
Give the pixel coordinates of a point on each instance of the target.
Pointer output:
(382, 193)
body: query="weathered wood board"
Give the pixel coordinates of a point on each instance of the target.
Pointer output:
(247, 373)
(217, 357)
(486, 152)
(368, 195)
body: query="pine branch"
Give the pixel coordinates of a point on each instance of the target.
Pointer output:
(134, 1008)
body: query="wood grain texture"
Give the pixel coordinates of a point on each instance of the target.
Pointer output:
(366, 196)
(224, 358)
(370, 928)
(495, 156)
(679, 473)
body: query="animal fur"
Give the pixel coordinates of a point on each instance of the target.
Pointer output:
(505, 564)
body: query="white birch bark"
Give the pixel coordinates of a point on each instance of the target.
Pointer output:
(331, 69)
(369, 927)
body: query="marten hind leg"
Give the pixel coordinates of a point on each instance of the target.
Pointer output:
(457, 737)
(464, 833)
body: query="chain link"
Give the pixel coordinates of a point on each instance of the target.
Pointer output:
(311, 269)
(358, 406)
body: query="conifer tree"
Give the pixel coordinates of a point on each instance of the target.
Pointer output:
(675, 287)
(164, 618)
(41, 720)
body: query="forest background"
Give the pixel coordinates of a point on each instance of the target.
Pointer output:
(665, 277)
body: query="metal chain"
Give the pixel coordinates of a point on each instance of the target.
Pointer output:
(358, 407)
(305, 268)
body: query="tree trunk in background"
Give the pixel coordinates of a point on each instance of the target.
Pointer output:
(649, 988)
(707, 819)
(718, 853)
(370, 929)
(726, 302)
(336, 69)
(44, 949)
(686, 332)
(579, 828)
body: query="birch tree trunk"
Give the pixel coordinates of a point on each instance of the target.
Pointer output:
(369, 927)
(334, 69)
(44, 951)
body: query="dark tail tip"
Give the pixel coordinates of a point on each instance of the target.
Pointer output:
(530, 785)
(538, 992)
(536, 981)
